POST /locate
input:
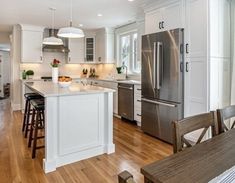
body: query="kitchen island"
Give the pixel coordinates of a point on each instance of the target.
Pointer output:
(78, 122)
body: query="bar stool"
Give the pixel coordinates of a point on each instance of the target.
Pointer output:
(37, 123)
(27, 111)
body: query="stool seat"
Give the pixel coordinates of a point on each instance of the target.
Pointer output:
(38, 104)
(30, 96)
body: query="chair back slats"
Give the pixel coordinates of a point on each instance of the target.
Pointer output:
(223, 115)
(187, 125)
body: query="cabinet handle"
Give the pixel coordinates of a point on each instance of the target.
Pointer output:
(138, 89)
(138, 114)
(41, 58)
(69, 59)
(187, 70)
(138, 100)
(163, 25)
(187, 48)
(160, 25)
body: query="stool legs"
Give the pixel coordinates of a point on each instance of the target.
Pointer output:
(35, 134)
(27, 120)
(25, 114)
(31, 128)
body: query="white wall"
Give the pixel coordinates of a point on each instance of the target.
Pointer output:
(6, 66)
(4, 37)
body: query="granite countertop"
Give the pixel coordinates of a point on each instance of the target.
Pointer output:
(128, 81)
(49, 89)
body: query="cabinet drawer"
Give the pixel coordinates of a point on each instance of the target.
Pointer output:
(137, 116)
(137, 103)
(137, 90)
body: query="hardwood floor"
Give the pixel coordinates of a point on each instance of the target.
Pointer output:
(133, 150)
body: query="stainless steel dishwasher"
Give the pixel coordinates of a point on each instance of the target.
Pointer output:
(126, 101)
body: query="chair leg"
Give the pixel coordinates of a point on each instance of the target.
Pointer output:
(35, 134)
(25, 114)
(31, 128)
(27, 120)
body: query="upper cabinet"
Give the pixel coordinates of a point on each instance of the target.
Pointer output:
(164, 18)
(31, 44)
(105, 46)
(76, 54)
(90, 49)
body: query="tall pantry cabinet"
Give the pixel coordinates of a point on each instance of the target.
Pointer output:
(206, 26)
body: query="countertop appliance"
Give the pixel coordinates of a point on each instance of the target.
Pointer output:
(162, 82)
(126, 101)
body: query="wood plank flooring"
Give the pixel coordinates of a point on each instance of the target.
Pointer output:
(134, 149)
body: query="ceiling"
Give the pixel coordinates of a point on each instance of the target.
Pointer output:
(36, 12)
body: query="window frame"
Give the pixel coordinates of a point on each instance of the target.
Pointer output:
(131, 69)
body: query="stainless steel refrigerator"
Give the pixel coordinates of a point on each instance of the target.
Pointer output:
(162, 82)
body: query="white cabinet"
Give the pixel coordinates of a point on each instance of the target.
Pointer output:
(196, 28)
(105, 46)
(164, 18)
(31, 44)
(207, 55)
(137, 104)
(111, 85)
(196, 62)
(76, 53)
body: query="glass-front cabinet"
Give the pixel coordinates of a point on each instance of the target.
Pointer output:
(89, 49)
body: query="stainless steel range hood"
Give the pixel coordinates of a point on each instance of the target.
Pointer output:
(55, 48)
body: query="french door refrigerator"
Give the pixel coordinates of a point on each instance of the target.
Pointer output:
(162, 82)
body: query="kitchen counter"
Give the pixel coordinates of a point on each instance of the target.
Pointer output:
(78, 122)
(48, 89)
(128, 81)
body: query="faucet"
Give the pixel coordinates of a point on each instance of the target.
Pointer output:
(124, 66)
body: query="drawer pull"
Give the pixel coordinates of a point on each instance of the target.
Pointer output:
(138, 100)
(138, 114)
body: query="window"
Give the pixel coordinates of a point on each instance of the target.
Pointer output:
(128, 52)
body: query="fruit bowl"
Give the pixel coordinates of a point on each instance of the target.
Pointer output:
(64, 84)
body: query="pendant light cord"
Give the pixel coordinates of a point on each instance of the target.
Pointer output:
(53, 21)
(71, 13)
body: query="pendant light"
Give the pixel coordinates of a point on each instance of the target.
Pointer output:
(71, 32)
(52, 40)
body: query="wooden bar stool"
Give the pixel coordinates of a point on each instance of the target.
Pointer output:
(28, 111)
(37, 123)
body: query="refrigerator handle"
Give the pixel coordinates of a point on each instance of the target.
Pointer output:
(159, 65)
(158, 103)
(154, 65)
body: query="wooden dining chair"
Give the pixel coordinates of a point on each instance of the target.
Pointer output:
(125, 177)
(223, 115)
(187, 125)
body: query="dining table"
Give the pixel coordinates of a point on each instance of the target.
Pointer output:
(201, 163)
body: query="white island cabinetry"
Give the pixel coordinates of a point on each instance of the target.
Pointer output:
(78, 122)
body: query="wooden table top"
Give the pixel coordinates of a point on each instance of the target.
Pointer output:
(200, 163)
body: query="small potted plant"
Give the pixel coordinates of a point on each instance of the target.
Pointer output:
(29, 74)
(55, 71)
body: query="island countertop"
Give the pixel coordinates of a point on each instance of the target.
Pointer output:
(49, 89)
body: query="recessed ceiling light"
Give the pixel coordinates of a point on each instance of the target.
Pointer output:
(131, 0)
(80, 25)
(99, 15)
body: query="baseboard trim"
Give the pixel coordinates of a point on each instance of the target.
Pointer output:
(15, 107)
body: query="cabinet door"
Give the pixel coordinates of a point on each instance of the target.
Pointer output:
(90, 49)
(172, 17)
(196, 86)
(196, 28)
(31, 46)
(152, 22)
(76, 47)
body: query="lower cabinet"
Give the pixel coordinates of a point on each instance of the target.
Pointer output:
(137, 104)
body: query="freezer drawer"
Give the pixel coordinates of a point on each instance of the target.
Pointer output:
(157, 118)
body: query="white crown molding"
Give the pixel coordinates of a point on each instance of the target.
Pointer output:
(27, 27)
(158, 4)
